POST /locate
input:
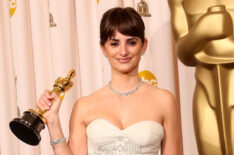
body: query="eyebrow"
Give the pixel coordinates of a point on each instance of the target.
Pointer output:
(114, 39)
(130, 39)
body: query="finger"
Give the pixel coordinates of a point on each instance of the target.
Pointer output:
(40, 109)
(49, 95)
(46, 100)
(40, 105)
(54, 95)
(56, 103)
(43, 103)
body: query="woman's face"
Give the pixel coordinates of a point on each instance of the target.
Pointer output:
(124, 52)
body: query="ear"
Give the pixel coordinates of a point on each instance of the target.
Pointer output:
(144, 46)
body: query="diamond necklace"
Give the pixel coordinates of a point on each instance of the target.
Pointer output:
(125, 93)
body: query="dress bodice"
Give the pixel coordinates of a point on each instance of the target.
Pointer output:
(142, 138)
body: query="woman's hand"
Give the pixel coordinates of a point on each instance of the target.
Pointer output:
(50, 103)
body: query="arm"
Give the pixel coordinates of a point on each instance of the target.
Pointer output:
(172, 141)
(56, 132)
(77, 139)
(189, 42)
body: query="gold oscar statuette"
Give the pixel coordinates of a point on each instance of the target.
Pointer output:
(28, 127)
(143, 9)
(203, 32)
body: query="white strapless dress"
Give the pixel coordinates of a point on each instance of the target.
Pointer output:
(142, 138)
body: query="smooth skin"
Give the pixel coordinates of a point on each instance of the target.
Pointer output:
(147, 103)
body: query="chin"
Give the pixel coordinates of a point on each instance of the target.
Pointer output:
(126, 70)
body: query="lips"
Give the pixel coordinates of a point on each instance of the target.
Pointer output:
(124, 60)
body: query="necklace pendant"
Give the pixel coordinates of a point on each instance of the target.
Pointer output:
(123, 94)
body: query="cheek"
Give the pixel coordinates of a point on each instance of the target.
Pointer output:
(111, 51)
(136, 51)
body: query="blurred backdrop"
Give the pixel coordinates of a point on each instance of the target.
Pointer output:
(42, 40)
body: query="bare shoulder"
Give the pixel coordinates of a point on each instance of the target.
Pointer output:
(164, 98)
(159, 93)
(78, 123)
(87, 101)
(85, 105)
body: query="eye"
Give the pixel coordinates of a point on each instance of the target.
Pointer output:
(114, 44)
(131, 43)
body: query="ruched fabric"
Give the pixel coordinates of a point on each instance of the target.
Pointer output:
(141, 138)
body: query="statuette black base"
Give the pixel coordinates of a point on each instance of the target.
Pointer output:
(28, 127)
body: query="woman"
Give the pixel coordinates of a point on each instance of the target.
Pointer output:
(127, 116)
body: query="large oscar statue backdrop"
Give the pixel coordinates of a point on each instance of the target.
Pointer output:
(203, 32)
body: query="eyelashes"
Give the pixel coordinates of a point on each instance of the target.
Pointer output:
(130, 43)
(115, 44)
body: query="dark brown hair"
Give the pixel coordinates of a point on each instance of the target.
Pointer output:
(125, 20)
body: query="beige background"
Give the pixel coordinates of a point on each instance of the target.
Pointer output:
(33, 55)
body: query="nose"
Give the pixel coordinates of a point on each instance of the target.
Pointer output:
(124, 50)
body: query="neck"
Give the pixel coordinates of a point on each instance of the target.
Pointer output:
(124, 82)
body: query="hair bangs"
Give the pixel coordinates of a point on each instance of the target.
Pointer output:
(126, 21)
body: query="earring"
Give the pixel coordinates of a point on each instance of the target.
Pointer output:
(142, 53)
